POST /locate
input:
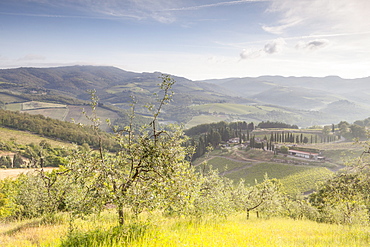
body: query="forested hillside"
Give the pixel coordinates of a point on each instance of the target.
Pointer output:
(53, 128)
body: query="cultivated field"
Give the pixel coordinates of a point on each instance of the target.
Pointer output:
(33, 105)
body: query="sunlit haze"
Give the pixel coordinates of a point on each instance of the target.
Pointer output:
(200, 39)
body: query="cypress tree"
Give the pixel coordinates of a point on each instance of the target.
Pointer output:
(17, 161)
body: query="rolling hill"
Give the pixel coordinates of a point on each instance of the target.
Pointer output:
(304, 101)
(318, 100)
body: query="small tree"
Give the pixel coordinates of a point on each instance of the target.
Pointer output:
(265, 196)
(345, 197)
(284, 149)
(5, 161)
(214, 195)
(149, 157)
(17, 161)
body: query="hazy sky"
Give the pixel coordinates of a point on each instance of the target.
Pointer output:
(197, 39)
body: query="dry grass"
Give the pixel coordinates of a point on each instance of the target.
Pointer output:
(24, 138)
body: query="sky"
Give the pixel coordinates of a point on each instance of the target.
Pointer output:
(196, 39)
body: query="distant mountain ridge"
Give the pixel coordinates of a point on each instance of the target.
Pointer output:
(332, 85)
(303, 101)
(75, 80)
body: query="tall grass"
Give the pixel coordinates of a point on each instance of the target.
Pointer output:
(156, 230)
(237, 231)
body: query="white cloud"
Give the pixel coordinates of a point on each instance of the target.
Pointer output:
(272, 47)
(275, 46)
(320, 16)
(313, 44)
(251, 54)
(196, 7)
(279, 29)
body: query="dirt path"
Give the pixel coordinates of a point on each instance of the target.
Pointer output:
(12, 173)
(236, 169)
(242, 160)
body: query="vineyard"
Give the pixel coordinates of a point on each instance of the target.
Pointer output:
(254, 165)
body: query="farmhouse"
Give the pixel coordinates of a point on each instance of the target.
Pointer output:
(306, 155)
(234, 140)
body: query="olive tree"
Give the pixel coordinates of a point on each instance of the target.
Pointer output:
(214, 194)
(151, 160)
(262, 197)
(345, 198)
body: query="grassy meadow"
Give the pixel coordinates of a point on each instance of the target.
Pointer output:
(24, 138)
(156, 230)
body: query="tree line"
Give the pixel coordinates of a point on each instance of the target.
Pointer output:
(222, 132)
(280, 125)
(54, 128)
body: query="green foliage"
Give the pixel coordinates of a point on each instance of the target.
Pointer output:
(270, 125)
(264, 197)
(351, 131)
(215, 195)
(284, 149)
(343, 199)
(6, 161)
(8, 190)
(40, 194)
(31, 155)
(17, 161)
